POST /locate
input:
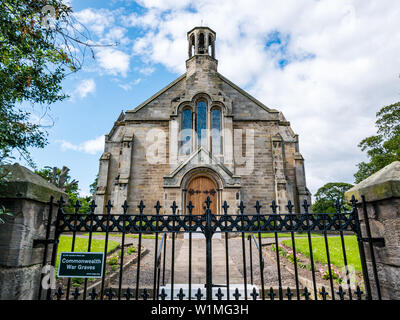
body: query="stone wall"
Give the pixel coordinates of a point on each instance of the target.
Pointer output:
(26, 196)
(259, 183)
(146, 182)
(382, 199)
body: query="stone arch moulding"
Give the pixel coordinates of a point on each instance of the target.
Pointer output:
(202, 159)
(202, 172)
(201, 95)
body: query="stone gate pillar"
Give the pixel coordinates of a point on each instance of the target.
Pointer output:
(382, 194)
(26, 195)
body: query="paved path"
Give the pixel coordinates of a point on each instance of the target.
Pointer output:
(199, 263)
(181, 273)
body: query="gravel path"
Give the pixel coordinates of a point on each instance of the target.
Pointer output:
(198, 264)
(147, 265)
(181, 263)
(270, 266)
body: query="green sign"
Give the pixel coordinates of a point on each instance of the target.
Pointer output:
(81, 265)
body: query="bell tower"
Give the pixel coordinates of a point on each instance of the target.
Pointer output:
(201, 41)
(201, 50)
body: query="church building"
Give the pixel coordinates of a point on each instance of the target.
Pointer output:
(201, 136)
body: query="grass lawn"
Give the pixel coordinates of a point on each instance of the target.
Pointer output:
(335, 250)
(81, 245)
(112, 234)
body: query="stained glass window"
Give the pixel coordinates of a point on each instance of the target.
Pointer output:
(186, 133)
(216, 131)
(202, 123)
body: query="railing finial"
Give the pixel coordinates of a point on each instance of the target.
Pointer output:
(241, 207)
(258, 207)
(225, 207)
(273, 206)
(174, 207)
(109, 206)
(158, 207)
(125, 206)
(92, 207)
(141, 206)
(305, 205)
(190, 206)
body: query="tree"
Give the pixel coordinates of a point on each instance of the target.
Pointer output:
(39, 46)
(384, 147)
(93, 186)
(62, 179)
(327, 196)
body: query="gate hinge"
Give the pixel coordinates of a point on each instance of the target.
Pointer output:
(38, 242)
(380, 242)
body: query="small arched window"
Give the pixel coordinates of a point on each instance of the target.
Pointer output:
(211, 47)
(216, 139)
(186, 132)
(201, 43)
(191, 46)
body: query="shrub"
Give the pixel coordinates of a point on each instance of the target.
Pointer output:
(114, 267)
(112, 260)
(335, 274)
(76, 282)
(131, 250)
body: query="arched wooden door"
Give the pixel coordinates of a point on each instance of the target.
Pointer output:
(198, 190)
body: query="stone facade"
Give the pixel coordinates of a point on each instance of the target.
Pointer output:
(257, 159)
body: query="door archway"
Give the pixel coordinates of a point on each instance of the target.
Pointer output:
(198, 190)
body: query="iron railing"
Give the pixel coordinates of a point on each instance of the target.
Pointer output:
(208, 224)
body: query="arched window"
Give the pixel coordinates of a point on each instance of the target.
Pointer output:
(191, 46)
(211, 48)
(186, 132)
(201, 123)
(216, 141)
(201, 43)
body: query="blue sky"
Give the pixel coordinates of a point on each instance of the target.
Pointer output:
(327, 65)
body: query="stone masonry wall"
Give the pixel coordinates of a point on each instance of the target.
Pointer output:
(146, 181)
(259, 185)
(381, 192)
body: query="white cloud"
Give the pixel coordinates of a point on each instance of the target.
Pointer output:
(91, 146)
(85, 87)
(330, 98)
(147, 70)
(127, 86)
(113, 61)
(96, 20)
(117, 35)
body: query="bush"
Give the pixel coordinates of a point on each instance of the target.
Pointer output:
(131, 250)
(76, 282)
(112, 260)
(335, 274)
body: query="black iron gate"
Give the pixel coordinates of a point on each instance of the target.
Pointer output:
(249, 227)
